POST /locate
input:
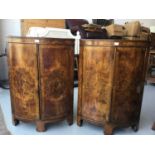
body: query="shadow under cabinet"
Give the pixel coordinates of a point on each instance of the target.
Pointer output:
(41, 79)
(111, 82)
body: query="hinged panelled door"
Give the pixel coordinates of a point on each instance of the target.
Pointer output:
(56, 80)
(128, 84)
(23, 76)
(97, 73)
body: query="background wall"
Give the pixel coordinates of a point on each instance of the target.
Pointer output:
(7, 27)
(12, 27)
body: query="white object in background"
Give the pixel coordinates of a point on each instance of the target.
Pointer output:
(49, 32)
(77, 43)
(152, 29)
(36, 32)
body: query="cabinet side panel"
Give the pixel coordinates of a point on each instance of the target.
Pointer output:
(97, 82)
(128, 85)
(56, 71)
(23, 77)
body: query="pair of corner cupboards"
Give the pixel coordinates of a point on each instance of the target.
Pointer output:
(111, 81)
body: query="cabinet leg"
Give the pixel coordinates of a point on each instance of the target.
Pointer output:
(108, 129)
(15, 121)
(135, 127)
(153, 127)
(79, 121)
(70, 120)
(40, 126)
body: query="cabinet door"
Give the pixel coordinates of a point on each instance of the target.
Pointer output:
(24, 80)
(96, 82)
(56, 75)
(128, 84)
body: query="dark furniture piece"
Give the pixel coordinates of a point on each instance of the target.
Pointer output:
(76, 25)
(103, 22)
(153, 126)
(150, 77)
(111, 82)
(4, 82)
(41, 79)
(151, 67)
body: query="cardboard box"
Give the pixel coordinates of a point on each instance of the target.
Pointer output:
(144, 36)
(116, 30)
(133, 29)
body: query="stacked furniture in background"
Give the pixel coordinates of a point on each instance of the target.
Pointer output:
(111, 82)
(27, 23)
(150, 76)
(3, 83)
(130, 30)
(86, 30)
(41, 79)
(151, 65)
(103, 22)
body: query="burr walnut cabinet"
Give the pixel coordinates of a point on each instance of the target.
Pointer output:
(111, 82)
(41, 79)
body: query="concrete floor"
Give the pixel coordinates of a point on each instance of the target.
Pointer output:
(62, 128)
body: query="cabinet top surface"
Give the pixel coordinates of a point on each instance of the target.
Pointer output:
(113, 42)
(39, 40)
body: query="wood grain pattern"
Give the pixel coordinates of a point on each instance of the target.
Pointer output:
(41, 80)
(24, 83)
(128, 85)
(55, 64)
(98, 79)
(111, 82)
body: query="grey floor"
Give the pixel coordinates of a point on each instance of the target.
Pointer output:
(62, 128)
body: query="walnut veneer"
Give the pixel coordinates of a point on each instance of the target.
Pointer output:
(111, 82)
(41, 79)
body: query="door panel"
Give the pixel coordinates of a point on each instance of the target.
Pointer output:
(56, 72)
(128, 84)
(97, 82)
(24, 80)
